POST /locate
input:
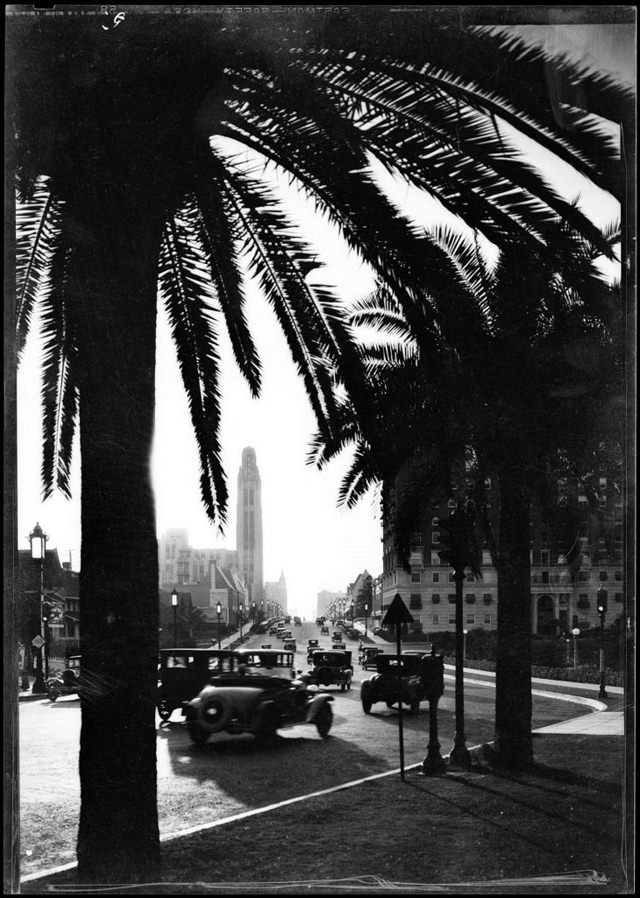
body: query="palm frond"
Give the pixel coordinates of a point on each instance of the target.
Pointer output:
(38, 222)
(188, 298)
(59, 381)
(222, 255)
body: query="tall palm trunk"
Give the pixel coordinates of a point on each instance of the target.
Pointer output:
(514, 744)
(113, 284)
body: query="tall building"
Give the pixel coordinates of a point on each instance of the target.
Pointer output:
(276, 596)
(249, 526)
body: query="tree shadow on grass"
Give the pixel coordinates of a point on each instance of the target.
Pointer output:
(514, 795)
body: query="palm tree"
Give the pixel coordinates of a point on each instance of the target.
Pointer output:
(123, 193)
(528, 387)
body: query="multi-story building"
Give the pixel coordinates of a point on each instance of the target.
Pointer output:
(276, 596)
(249, 526)
(566, 570)
(228, 589)
(326, 598)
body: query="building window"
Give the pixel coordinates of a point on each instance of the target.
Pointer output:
(545, 577)
(602, 483)
(435, 619)
(471, 619)
(583, 601)
(618, 598)
(452, 620)
(415, 602)
(487, 618)
(471, 598)
(435, 538)
(452, 577)
(583, 576)
(452, 598)
(435, 522)
(487, 598)
(435, 577)
(545, 557)
(435, 560)
(582, 499)
(618, 575)
(435, 598)
(416, 578)
(603, 575)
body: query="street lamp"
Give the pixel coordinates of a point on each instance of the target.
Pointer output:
(602, 611)
(575, 633)
(464, 645)
(366, 614)
(261, 611)
(38, 543)
(174, 605)
(240, 609)
(218, 612)
(253, 611)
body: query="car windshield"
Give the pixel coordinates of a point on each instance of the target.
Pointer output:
(267, 660)
(329, 657)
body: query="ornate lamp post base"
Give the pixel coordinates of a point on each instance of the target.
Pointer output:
(434, 763)
(460, 755)
(39, 687)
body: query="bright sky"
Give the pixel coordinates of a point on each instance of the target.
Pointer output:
(316, 545)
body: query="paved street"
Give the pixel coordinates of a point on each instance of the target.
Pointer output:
(235, 774)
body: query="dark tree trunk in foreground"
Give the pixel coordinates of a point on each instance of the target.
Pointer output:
(114, 288)
(514, 744)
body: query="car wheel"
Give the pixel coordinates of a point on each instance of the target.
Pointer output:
(164, 710)
(214, 714)
(366, 705)
(342, 687)
(415, 706)
(53, 694)
(268, 728)
(324, 677)
(324, 720)
(390, 704)
(196, 733)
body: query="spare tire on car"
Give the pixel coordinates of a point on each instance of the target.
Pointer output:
(214, 714)
(325, 677)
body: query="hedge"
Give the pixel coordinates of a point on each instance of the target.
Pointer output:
(583, 674)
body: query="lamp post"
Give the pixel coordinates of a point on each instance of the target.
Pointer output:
(261, 611)
(464, 646)
(253, 611)
(575, 633)
(218, 612)
(38, 543)
(174, 605)
(240, 609)
(602, 611)
(366, 615)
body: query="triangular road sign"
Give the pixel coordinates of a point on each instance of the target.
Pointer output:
(397, 613)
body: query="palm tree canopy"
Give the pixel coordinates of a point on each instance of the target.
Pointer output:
(124, 119)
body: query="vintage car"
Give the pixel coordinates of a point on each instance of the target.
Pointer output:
(289, 645)
(184, 671)
(324, 630)
(337, 636)
(312, 645)
(330, 668)
(287, 634)
(338, 646)
(297, 622)
(265, 645)
(258, 698)
(367, 656)
(409, 679)
(65, 682)
(273, 631)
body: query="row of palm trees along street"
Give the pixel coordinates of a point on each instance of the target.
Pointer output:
(131, 188)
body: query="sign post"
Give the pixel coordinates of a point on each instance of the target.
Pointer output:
(398, 614)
